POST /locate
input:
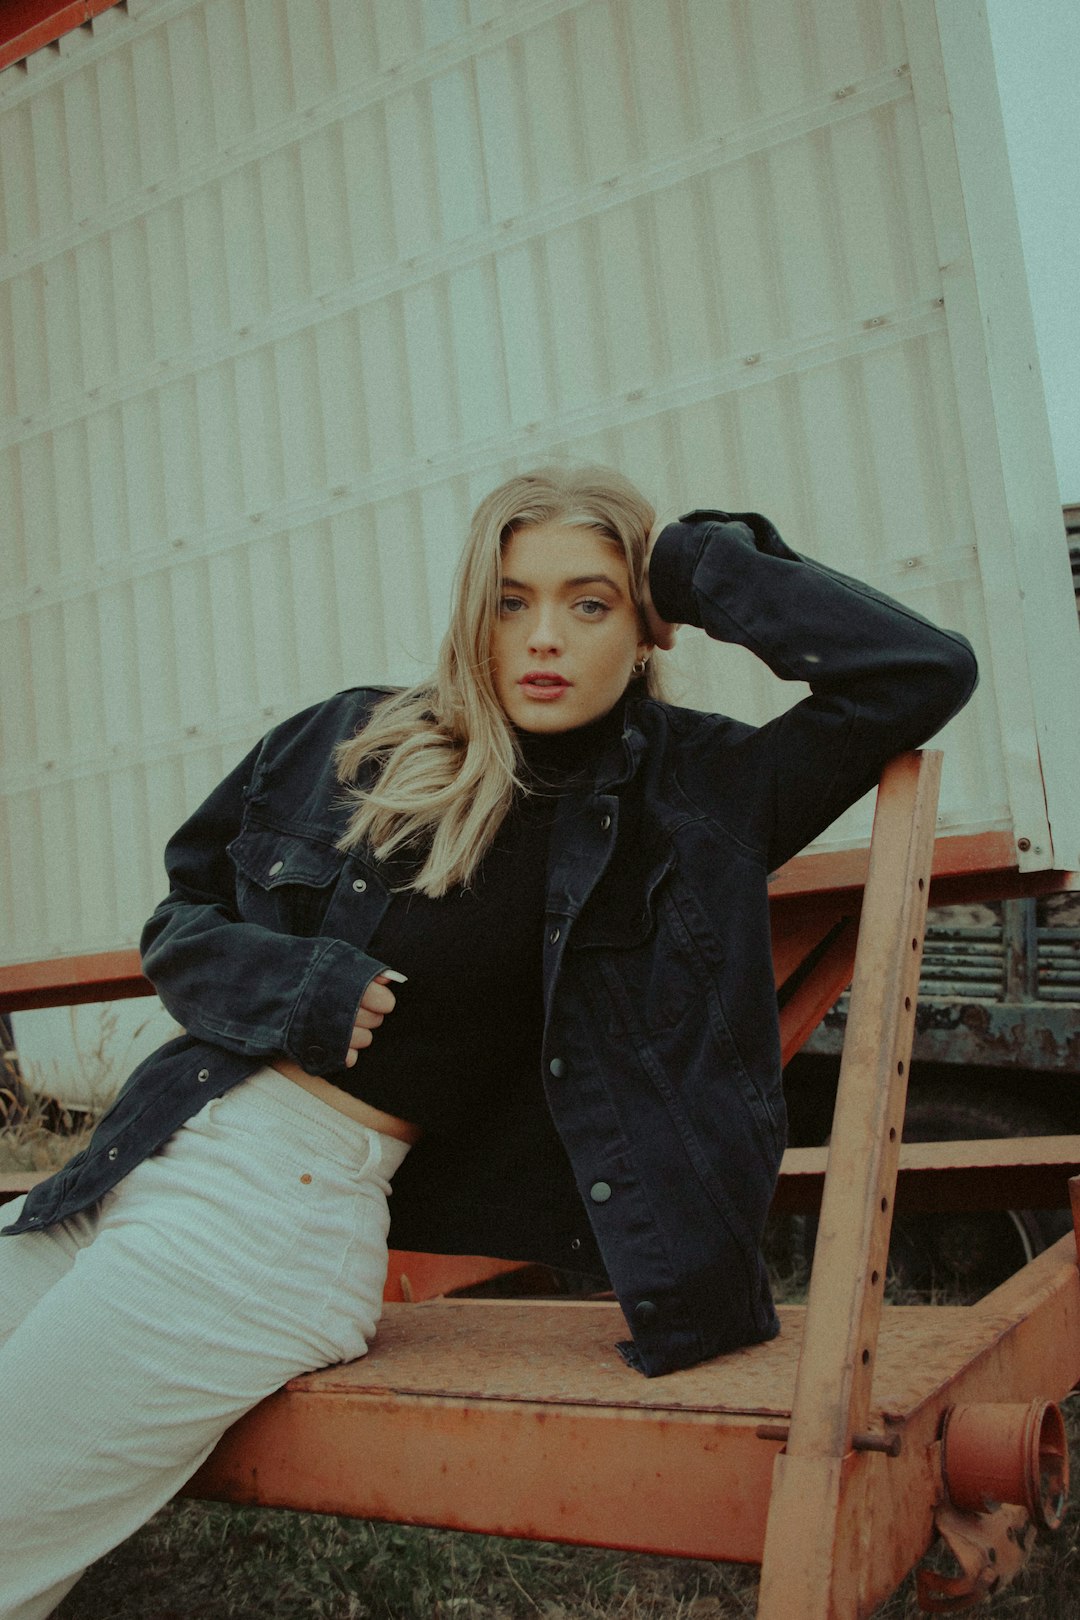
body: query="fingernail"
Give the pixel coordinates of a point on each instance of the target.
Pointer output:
(389, 973)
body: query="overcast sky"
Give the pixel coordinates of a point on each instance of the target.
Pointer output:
(1037, 51)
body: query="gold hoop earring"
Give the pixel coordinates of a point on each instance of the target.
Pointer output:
(639, 666)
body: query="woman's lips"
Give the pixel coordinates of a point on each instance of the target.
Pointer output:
(543, 688)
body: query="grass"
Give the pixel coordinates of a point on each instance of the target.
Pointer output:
(206, 1561)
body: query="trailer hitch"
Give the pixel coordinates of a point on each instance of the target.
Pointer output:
(991, 1550)
(1005, 1472)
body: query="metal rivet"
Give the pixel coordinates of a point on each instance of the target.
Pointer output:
(599, 1192)
(557, 1067)
(646, 1310)
(114, 1153)
(359, 885)
(278, 866)
(554, 935)
(605, 823)
(575, 1243)
(202, 1076)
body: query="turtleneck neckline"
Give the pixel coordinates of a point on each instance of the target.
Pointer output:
(554, 758)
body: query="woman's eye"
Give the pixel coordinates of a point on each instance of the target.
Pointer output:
(593, 608)
(511, 604)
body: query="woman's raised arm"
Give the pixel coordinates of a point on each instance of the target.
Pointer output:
(882, 678)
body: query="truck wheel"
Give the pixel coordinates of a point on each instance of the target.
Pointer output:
(955, 1255)
(966, 1255)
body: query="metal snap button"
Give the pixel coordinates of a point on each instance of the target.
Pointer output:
(646, 1311)
(557, 1067)
(315, 1054)
(599, 1192)
(555, 935)
(278, 866)
(202, 1076)
(359, 885)
(113, 1153)
(605, 823)
(575, 1243)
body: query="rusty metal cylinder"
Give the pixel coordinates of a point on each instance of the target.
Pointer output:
(993, 1453)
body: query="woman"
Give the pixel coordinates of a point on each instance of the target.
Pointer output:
(503, 937)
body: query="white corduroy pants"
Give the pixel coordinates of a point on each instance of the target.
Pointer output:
(250, 1248)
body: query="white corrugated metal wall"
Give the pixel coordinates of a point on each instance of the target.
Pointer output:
(286, 285)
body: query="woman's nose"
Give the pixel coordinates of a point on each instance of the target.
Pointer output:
(544, 633)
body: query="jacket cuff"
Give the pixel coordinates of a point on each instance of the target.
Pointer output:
(322, 1021)
(671, 571)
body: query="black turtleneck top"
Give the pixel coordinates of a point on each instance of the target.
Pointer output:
(470, 1020)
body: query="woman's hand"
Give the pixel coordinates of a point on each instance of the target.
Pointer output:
(375, 1003)
(661, 633)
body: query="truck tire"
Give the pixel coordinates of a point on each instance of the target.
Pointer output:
(966, 1255)
(954, 1256)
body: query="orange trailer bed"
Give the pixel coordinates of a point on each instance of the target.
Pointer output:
(819, 1455)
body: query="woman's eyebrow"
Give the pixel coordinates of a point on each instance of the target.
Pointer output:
(567, 584)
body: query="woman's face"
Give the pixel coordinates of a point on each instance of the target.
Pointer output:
(568, 631)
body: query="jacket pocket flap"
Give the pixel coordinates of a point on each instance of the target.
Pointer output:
(621, 912)
(271, 857)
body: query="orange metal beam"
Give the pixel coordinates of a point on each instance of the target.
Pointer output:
(1029, 1172)
(968, 866)
(68, 981)
(412, 1275)
(799, 927)
(805, 1569)
(27, 25)
(520, 1419)
(821, 988)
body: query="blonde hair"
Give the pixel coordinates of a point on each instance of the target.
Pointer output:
(445, 754)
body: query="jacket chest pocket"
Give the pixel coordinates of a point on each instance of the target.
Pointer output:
(284, 880)
(630, 935)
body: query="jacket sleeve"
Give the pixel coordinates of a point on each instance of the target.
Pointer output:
(882, 678)
(242, 986)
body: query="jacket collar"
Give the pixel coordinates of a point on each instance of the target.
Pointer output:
(620, 760)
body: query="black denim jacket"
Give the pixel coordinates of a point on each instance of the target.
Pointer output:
(660, 1058)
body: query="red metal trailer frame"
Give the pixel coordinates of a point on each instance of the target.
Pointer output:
(832, 1456)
